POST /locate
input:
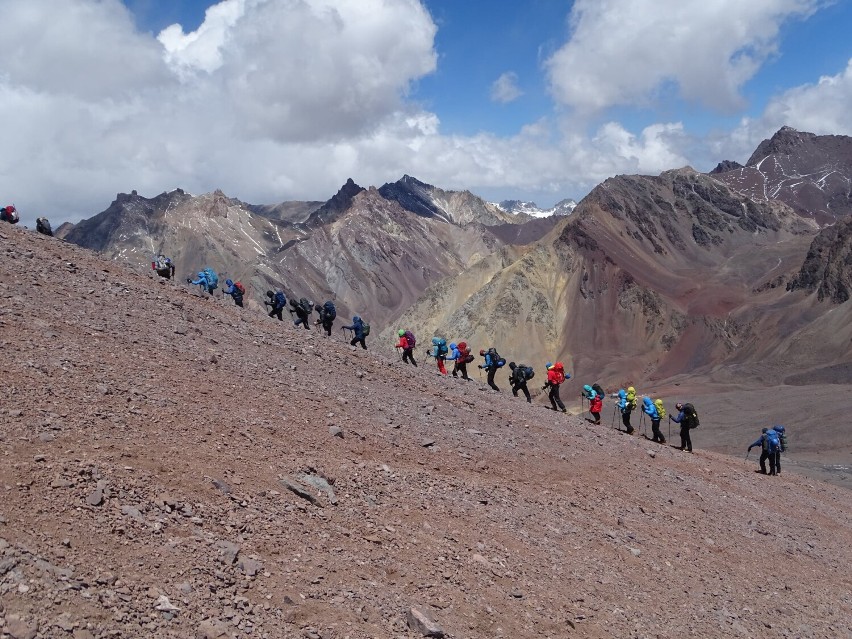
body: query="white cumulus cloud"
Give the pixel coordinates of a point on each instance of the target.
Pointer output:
(625, 52)
(505, 88)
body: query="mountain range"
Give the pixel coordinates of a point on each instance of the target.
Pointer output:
(739, 274)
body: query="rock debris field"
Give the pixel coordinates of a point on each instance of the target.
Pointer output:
(173, 466)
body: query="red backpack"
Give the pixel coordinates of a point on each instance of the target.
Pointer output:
(560, 372)
(239, 286)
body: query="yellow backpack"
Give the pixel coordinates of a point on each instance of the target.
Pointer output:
(631, 398)
(661, 411)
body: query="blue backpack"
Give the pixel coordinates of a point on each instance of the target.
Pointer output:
(329, 311)
(440, 345)
(212, 278)
(280, 300)
(773, 442)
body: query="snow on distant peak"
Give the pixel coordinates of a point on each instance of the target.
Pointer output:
(517, 207)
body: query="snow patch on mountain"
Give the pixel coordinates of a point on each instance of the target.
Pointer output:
(518, 207)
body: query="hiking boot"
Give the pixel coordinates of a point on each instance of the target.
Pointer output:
(662, 441)
(631, 431)
(564, 410)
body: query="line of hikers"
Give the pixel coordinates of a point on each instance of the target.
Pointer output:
(772, 441)
(276, 301)
(460, 354)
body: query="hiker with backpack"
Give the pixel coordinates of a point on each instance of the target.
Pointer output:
(462, 357)
(163, 266)
(407, 342)
(277, 302)
(235, 290)
(361, 329)
(555, 378)
(656, 433)
(687, 418)
(595, 395)
(782, 448)
(650, 409)
(207, 280)
(303, 309)
(627, 404)
(439, 352)
(493, 361)
(9, 214)
(518, 378)
(770, 444)
(327, 314)
(43, 226)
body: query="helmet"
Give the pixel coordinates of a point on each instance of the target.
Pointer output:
(400, 332)
(269, 294)
(548, 365)
(482, 352)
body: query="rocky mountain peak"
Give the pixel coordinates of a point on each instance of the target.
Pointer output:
(341, 201)
(828, 266)
(786, 141)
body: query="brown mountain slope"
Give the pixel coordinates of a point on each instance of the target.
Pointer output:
(649, 278)
(145, 432)
(810, 173)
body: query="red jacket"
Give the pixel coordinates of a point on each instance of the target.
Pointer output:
(596, 404)
(552, 377)
(403, 343)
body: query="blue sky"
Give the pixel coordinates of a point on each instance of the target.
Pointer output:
(275, 100)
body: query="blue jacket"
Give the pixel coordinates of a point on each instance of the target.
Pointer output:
(489, 362)
(357, 326)
(454, 353)
(649, 408)
(232, 290)
(202, 281)
(761, 441)
(679, 418)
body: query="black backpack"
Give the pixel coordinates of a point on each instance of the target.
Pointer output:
(43, 226)
(523, 373)
(496, 360)
(598, 390)
(306, 305)
(690, 416)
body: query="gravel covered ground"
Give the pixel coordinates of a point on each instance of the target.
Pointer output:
(173, 466)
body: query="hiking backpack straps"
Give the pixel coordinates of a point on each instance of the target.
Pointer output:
(690, 414)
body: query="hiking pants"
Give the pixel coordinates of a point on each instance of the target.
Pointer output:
(359, 340)
(597, 417)
(625, 419)
(302, 319)
(326, 326)
(239, 301)
(522, 386)
(656, 435)
(408, 356)
(276, 312)
(460, 368)
(491, 372)
(686, 443)
(441, 366)
(554, 397)
(772, 468)
(778, 462)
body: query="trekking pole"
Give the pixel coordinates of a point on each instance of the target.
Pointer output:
(747, 454)
(642, 430)
(670, 426)
(613, 419)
